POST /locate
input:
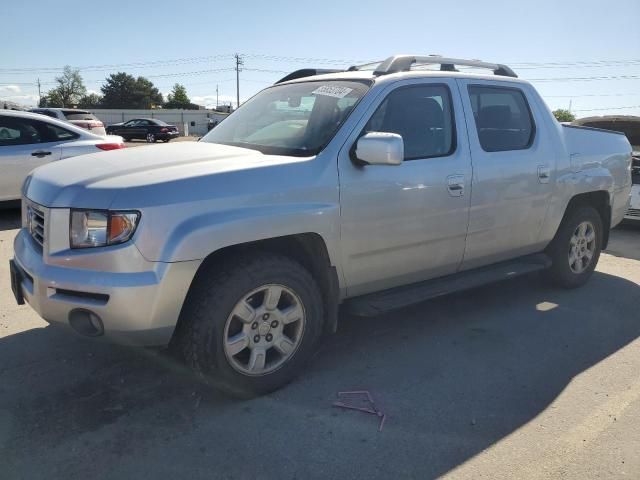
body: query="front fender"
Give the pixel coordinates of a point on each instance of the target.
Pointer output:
(198, 236)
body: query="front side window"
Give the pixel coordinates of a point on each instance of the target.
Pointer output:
(422, 116)
(296, 119)
(18, 131)
(503, 119)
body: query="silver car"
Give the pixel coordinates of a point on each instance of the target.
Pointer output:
(370, 189)
(30, 140)
(75, 116)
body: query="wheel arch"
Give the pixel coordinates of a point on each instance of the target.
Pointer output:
(308, 249)
(601, 201)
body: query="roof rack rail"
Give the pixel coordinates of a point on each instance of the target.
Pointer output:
(403, 63)
(306, 72)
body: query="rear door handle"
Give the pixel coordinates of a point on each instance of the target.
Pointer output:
(455, 185)
(40, 154)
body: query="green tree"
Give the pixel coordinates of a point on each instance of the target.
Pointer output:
(563, 115)
(178, 98)
(147, 95)
(93, 100)
(69, 91)
(122, 90)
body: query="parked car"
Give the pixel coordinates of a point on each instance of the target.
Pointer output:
(370, 189)
(79, 118)
(149, 129)
(29, 140)
(630, 126)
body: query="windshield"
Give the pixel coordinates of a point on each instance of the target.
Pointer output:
(296, 119)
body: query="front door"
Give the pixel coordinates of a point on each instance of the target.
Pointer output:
(513, 170)
(406, 223)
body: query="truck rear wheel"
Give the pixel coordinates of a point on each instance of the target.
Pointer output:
(576, 248)
(251, 325)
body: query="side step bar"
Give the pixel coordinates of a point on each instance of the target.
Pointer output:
(394, 298)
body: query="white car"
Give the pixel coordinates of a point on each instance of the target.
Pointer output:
(79, 118)
(29, 140)
(634, 205)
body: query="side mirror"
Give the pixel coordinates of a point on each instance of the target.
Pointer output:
(380, 148)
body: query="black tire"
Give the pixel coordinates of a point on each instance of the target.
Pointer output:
(151, 138)
(166, 140)
(561, 273)
(213, 296)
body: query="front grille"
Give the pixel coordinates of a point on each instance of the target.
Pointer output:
(36, 223)
(633, 212)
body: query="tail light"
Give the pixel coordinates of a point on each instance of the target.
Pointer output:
(110, 146)
(164, 130)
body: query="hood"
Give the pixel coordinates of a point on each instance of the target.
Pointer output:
(142, 175)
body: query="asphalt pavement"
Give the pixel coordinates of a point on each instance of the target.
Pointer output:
(514, 380)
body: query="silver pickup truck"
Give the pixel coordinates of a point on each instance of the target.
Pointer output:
(370, 188)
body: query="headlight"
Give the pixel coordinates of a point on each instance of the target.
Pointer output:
(99, 228)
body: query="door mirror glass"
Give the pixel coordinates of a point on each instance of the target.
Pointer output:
(380, 148)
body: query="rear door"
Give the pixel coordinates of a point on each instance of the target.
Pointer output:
(24, 145)
(406, 223)
(513, 170)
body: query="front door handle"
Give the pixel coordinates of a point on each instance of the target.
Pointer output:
(40, 154)
(544, 173)
(455, 185)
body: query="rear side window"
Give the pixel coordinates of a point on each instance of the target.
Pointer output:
(422, 115)
(502, 117)
(58, 134)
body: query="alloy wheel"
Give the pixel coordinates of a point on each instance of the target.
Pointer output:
(264, 330)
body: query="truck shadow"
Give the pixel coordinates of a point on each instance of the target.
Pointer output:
(9, 217)
(454, 376)
(625, 241)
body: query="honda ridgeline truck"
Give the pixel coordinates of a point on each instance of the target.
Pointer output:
(371, 188)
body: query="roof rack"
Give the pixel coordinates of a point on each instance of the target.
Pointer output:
(403, 63)
(306, 72)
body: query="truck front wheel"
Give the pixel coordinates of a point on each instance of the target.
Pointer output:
(251, 324)
(576, 248)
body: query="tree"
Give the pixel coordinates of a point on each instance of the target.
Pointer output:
(93, 100)
(122, 90)
(178, 98)
(563, 115)
(147, 95)
(69, 91)
(178, 94)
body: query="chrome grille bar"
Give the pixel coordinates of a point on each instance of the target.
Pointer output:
(36, 224)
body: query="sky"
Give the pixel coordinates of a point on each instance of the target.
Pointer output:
(581, 54)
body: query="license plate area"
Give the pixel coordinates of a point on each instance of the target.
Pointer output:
(16, 282)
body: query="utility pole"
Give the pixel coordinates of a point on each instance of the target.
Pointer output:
(570, 103)
(216, 95)
(39, 93)
(239, 64)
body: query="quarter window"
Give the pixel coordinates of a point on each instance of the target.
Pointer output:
(502, 117)
(422, 115)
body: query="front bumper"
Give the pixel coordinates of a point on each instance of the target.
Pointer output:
(633, 213)
(135, 308)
